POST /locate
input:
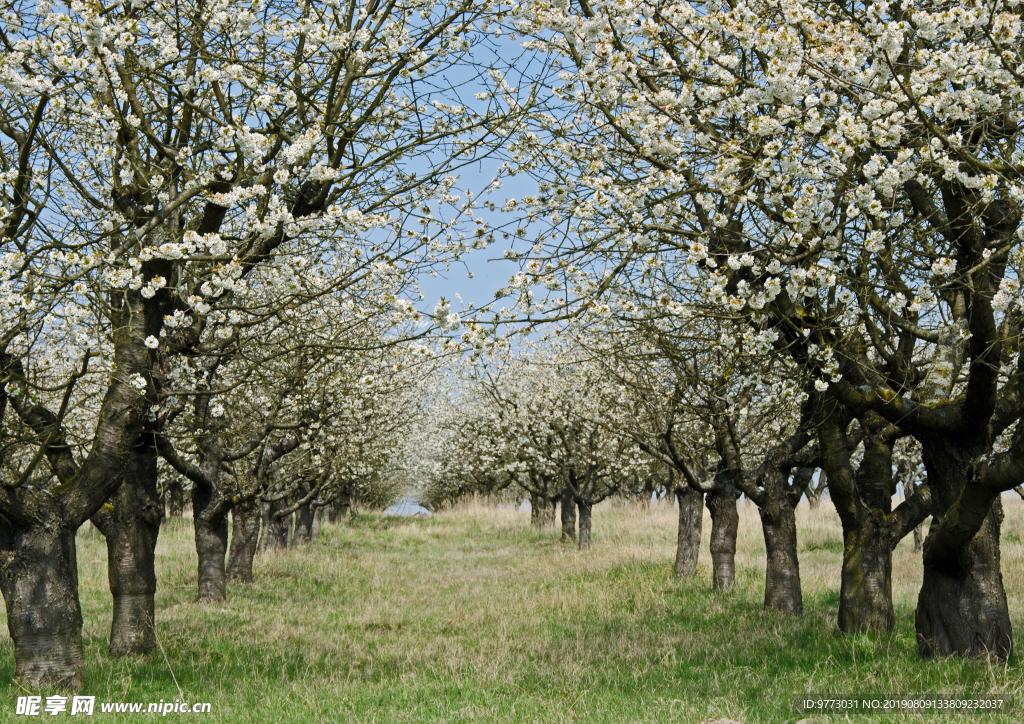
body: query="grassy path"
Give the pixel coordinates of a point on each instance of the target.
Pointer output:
(470, 617)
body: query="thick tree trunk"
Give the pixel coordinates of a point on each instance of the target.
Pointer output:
(691, 520)
(962, 608)
(782, 569)
(245, 533)
(175, 499)
(130, 523)
(39, 579)
(568, 516)
(725, 522)
(865, 591)
(211, 530)
(542, 512)
(586, 507)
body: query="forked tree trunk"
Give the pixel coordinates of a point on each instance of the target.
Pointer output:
(130, 523)
(725, 522)
(245, 533)
(691, 520)
(962, 608)
(39, 579)
(816, 490)
(586, 506)
(211, 531)
(568, 516)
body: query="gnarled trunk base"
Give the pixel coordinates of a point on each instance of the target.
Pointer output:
(961, 609)
(39, 580)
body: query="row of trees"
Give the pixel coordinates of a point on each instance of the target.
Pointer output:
(213, 215)
(777, 236)
(831, 193)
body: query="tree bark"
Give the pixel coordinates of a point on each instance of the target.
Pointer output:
(816, 490)
(318, 523)
(303, 522)
(542, 512)
(586, 506)
(211, 531)
(175, 499)
(130, 523)
(863, 500)
(39, 579)
(38, 564)
(782, 590)
(865, 590)
(339, 508)
(245, 533)
(691, 520)
(962, 608)
(568, 515)
(725, 521)
(275, 529)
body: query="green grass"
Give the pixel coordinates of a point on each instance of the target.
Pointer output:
(469, 616)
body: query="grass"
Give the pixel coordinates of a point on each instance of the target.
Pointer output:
(469, 616)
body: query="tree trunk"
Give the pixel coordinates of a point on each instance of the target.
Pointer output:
(918, 538)
(542, 512)
(39, 579)
(318, 523)
(275, 533)
(245, 533)
(815, 490)
(865, 590)
(568, 516)
(339, 508)
(130, 522)
(586, 506)
(782, 568)
(175, 495)
(691, 520)
(303, 522)
(962, 608)
(725, 522)
(211, 530)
